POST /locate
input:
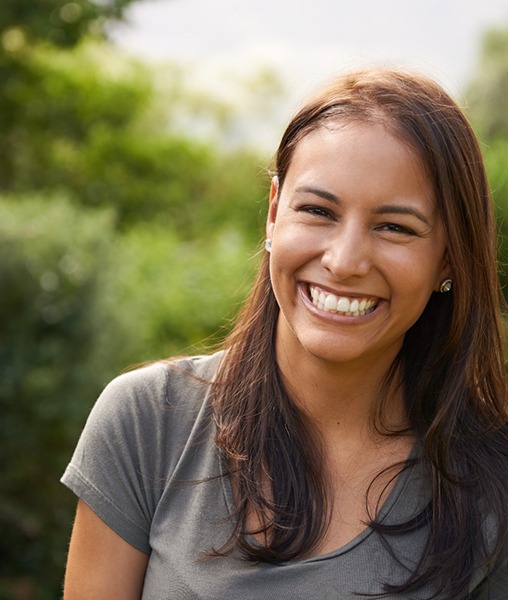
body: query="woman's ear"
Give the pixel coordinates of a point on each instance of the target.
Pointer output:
(272, 208)
(444, 273)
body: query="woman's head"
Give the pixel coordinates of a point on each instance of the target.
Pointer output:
(421, 114)
(358, 245)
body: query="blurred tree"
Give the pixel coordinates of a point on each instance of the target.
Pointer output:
(53, 102)
(57, 21)
(487, 95)
(39, 92)
(488, 91)
(89, 122)
(181, 293)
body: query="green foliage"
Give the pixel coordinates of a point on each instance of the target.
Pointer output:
(496, 159)
(179, 293)
(82, 121)
(142, 177)
(59, 21)
(489, 89)
(54, 104)
(54, 337)
(487, 95)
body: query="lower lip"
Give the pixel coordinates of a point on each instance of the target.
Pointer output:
(336, 317)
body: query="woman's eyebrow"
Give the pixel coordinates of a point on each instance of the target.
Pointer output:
(398, 209)
(394, 209)
(308, 189)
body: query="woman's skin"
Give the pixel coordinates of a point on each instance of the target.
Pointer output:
(356, 217)
(101, 565)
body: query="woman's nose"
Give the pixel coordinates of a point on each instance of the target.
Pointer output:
(347, 253)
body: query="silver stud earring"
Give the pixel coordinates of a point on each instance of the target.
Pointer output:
(446, 286)
(268, 245)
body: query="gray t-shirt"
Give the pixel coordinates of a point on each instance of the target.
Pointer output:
(147, 465)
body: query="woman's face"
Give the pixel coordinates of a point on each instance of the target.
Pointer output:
(358, 245)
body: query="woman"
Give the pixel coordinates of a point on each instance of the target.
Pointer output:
(350, 441)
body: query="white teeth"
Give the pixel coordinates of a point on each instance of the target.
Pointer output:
(332, 303)
(343, 305)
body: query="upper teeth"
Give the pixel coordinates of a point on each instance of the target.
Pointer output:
(340, 304)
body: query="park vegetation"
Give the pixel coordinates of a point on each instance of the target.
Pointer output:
(124, 238)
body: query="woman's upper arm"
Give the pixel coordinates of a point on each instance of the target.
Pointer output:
(101, 564)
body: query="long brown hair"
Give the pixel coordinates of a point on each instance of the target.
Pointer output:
(452, 360)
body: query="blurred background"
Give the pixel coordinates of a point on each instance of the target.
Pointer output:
(136, 137)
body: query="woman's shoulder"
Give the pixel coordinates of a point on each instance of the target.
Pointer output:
(135, 436)
(166, 382)
(168, 395)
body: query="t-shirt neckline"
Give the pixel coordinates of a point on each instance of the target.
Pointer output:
(388, 505)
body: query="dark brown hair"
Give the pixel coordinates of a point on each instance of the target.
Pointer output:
(452, 360)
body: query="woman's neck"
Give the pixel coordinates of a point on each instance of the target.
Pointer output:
(342, 396)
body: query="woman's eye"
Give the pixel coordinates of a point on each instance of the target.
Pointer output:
(316, 210)
(395, 228)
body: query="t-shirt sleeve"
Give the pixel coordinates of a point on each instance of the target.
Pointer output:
(119, 466)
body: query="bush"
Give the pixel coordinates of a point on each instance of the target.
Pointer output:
(55, 344)
(174, 293)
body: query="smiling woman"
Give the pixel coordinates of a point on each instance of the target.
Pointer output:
(350, 440)
(356, 220)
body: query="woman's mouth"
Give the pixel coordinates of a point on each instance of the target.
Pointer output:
(342, 305)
